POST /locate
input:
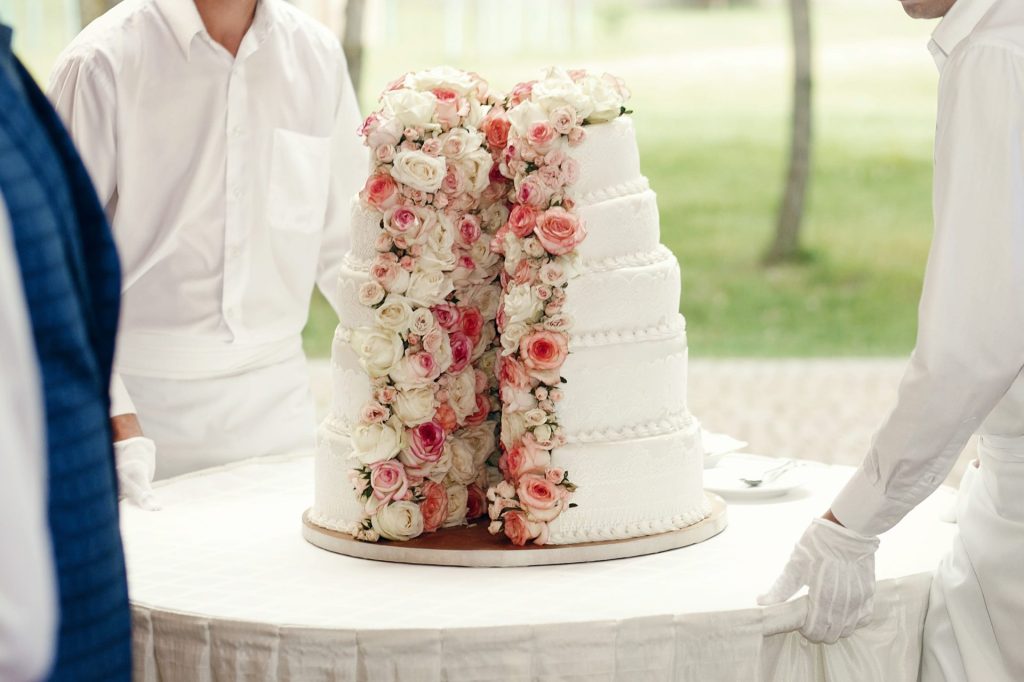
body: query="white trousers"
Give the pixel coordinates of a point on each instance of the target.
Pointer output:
(974, 631)
(199, 423)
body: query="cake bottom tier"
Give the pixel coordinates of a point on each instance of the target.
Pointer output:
(627, 488)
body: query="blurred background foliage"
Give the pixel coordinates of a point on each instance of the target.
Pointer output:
(711, 83)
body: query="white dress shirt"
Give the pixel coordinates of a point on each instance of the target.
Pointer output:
(28, 594)
(965, 373)
(227, 180)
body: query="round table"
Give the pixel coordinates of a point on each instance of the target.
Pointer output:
(223, 587)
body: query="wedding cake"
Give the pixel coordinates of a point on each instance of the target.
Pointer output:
(510, 351)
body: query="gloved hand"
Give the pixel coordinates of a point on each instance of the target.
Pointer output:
(838, 566)
(136, 463)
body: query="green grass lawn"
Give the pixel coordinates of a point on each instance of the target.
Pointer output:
(711, 95)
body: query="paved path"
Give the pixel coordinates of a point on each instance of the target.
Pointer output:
(825, 410)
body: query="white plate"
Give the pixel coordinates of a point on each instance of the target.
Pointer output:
(718, 444)
(724, 479)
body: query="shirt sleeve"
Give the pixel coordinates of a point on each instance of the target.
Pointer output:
(28, 617)
(82, 91)
(970, 342)
(349, 167)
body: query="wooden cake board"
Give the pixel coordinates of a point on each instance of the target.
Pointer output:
(473, 546)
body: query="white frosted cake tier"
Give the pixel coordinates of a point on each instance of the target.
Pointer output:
(627, 488)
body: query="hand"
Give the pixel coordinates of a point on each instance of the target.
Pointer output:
(136, 462)
(838, 566)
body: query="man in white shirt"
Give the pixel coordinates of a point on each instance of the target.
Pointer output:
(964, 376)
(221, 136)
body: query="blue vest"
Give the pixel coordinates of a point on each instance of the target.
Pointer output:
(72, 283)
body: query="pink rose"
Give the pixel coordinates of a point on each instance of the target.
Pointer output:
(471, 321)
(433, 340)
(454, 181)
(541, 499)
(374, 413)
(520, 461)
(385, 394)
(388, 482)
(541, 134)
(511, 372)
(447, 106)
(556, 476)
(404, 222)
(521, 93)
(383, 242)
(426, 441)
(533, 192)
(520, 530)
(577, 135)
(389, 273)
(462, 350)
(447, 315)
(469, 229)
(476, 503)
(483, 410)
(570, 171)
(434, 506)
(543, 352)
(380, 191)
(495, 128)
(563, 119)
(423, 365)
(431, 146)
(559, 231)
(385, 153)
(522, 219)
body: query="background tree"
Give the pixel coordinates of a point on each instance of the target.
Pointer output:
(352, 40)
(90, 9)
(786, 244)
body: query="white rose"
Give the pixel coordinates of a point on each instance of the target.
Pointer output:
(439, 470)
(558, 89)
(371, 293)
(484, 344)
(481, 441)
(494, 216)
(605, 97)
(488, 360)
(477, 167)
(512, 428)
(522, 305)
(459, 142)
(411, 108)
(378, 350)
(386, 134)
(441, 77)
(525, 114)
(535, 417)
(482, 255)
(415, 406)
(428, 287)
(462, 394)
(458, 498)
(395, 314)
(418, 170)
(513, 253)
(511, 336)
(464, 467)
(377, 442)
(437, 252)
(399, 521)
(407, 374)
(422, 321)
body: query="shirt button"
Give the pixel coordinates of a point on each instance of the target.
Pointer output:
(239, 192)
(236, 131)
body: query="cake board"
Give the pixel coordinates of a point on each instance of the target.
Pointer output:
(473, 546)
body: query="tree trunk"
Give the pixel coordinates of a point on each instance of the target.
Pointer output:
(90, 9)
(352, 41)
(786, 245)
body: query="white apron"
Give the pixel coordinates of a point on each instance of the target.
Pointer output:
(974, 631)
(199, 422)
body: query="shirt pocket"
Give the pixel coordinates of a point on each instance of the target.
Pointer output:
(299, 181)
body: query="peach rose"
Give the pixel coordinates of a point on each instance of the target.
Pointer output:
(521, 461)
(541, 499)
(559, 231)
(434, 506)
(520, 530)
(522, 219)
(543, 353)
(471, 322)
(511, 372)
(541, 135)
(389, 274)
(495, 128)
(483, 409)
(462, 349)
(380, 191)
(445, 416)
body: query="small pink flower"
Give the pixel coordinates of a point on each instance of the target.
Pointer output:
(577, 135)
(556, 476)
(374, 413)
(431, 146)
(534, 192)
(469, 229)
(563, 119)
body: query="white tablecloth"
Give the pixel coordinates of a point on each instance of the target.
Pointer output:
(224, 587)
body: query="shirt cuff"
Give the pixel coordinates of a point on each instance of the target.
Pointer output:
(863, 506)
(120, 401)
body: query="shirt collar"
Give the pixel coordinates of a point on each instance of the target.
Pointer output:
(184, 21)
(956, 26)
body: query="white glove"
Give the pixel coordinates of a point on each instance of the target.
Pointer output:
(136, 463)
(838, 566)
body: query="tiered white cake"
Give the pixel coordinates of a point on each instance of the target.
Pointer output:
(632, 449)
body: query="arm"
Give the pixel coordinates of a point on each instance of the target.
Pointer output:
(82, 91)
(970, 346)
(28, 599)
(349, 166)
